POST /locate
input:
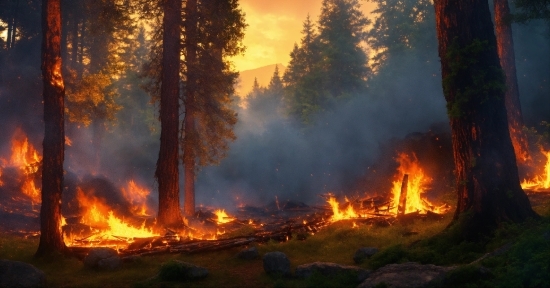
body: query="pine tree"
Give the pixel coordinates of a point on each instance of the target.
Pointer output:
(330, 65)
(341, 32)
(51, 236)
(401, 26)
(209, 117)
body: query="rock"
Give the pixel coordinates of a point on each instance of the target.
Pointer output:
(405, 275)
(19, 274)
(276, 263)
(104, 258)
(249, 254)
(363, 253)
(181, 271)
(110, 263)
(330, 269)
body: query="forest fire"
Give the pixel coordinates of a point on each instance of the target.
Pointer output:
(406, 196)
(408, 193)
(542, 181)
(25, 158)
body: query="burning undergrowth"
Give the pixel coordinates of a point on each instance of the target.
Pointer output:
(412, 178)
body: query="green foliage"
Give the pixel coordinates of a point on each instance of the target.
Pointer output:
(467, 81)
(348, 279)
(402, 25)
(328, 65)
(174, 271)
(532, 9)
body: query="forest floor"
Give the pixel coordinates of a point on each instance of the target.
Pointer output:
(526, 263)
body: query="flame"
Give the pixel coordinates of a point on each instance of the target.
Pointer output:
(222, 216)
(99, 216)
(30, 190)
(23, 154)
(137, 195)
(542, 181)
(1, 183)
(337, 214)
(418, 183)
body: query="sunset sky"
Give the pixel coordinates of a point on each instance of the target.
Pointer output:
(274, 27)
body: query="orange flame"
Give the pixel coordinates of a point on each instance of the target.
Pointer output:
(222, 217)
(338, 214)
(137, 196)
(30, 190)
(100, 216)
(416, 186)
(542, 181)
(23, 154)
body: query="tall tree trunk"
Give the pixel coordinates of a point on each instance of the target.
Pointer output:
(167, 166)
(14, 29)
(74, 42)
(189, 140)
(51, 237)
(488, 185)
(505, 44)
(80, 70)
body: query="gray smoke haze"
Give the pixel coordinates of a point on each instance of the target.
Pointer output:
(273, 155)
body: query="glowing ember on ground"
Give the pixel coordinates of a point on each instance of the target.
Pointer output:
(542, 181)
(222, 217)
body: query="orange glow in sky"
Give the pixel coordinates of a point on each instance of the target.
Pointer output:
(274, 27)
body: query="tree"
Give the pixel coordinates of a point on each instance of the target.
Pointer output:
(341, 33)
(214, 30)
(402, 26)
(330, 65)
(51, 236)
(505, 45)
(167, 165)
(532, 9)
(190, 137)
(473, 83)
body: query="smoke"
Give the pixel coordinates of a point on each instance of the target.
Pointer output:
(273, 154)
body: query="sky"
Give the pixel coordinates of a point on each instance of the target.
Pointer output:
(274, 27)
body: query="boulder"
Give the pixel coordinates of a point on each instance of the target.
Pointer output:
(181, 271)
(276, 263)
(363, 253)
(330, 269)
(249, 254)
(19, 274)
(405, 275)
(103, 258)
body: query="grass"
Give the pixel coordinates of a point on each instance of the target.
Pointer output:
(526, 263)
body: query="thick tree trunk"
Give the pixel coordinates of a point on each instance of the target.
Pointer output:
(189, 140)
(505, 44)
(488, 185)
(51, 237)
(167, 165)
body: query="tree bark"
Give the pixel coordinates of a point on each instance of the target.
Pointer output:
(488, 185)
(189, 140)
(51, 237)
(167, 165)
(505, 44)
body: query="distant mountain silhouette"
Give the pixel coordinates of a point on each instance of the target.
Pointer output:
(264, 74)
